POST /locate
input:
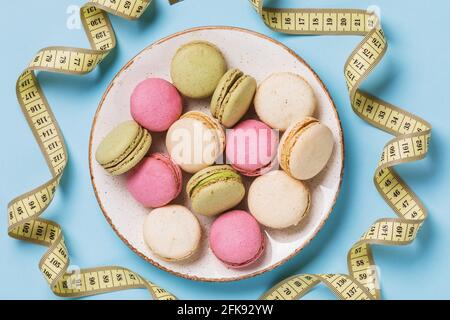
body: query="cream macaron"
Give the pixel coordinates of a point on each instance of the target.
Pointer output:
(195, 141)
(172, 232)
(277, 200)
(305, 148)
(284, 98)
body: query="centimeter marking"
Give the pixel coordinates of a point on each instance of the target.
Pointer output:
(317, 21)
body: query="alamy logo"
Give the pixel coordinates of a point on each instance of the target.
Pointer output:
(73, 21)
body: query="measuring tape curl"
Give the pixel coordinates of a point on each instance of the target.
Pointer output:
(24, 222)
(412, 136)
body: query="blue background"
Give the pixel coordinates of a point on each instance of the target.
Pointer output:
(415, 74)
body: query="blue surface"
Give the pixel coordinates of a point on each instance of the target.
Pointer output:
(415, 74)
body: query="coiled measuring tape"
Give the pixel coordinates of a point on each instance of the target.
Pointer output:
(411, 141)
(24, 212)
(412, 136)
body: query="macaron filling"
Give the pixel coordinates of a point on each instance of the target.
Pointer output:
(291, 139)
(232, 97)
(127, 151)
(137, 151)
(217, 103)
(221, 175)
(228, 96)
(202, 118)
(257, 172)
(209, 123)
(123, 148)
(227, 90)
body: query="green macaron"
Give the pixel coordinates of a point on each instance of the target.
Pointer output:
(215, 189)
(232, 97)
(196, 69)
(123, 148)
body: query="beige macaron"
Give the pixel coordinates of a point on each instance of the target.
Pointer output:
(195, 141)
(305, 148)
(172, 232)
(277, 200)
(284, 98)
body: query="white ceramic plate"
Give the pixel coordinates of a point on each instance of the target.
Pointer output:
(258, 56)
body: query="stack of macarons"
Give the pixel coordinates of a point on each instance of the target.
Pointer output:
(196, 142)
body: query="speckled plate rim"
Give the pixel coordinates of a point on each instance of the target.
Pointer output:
(297, 250)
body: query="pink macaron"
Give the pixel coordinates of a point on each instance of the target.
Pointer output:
(236, 239)
(155, 104)
(251, 147)
(155, 182)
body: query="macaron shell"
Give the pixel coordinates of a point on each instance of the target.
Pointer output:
(154, 182)
(236, 239)
(277, 200)
(172, 232)
(197, 68)
(238, 101)
(284, 98)
(289, 139)
(251, 147)
(155, 104)
(258, 172)
(211, 123)
(207, 173)
(190, 155)
(134, 158)
(311, 152)
(225, 83)
(218, 197)
(117, 142)
(175, 170)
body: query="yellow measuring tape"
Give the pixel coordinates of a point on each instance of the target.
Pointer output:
(412, 136)
(411, 142)
(24, 212)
